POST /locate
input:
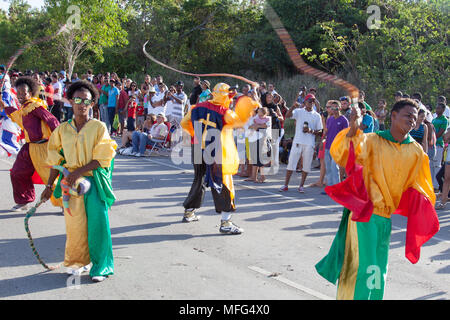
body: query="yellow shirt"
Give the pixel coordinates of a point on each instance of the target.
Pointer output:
(80, 148)
(389, 168)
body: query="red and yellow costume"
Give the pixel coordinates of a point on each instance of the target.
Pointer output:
(30, 166)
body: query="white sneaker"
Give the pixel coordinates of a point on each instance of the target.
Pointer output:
(228, 227)
(98, 278)
(21, 207)
(138, 154)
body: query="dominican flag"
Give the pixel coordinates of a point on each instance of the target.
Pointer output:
(9, 131)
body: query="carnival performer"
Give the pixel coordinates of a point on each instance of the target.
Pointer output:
(214, 153)
(10, 131)
(83, 146)
(37, 124)
(388, 173)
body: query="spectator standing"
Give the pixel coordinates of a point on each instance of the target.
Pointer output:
(206, 92)
(362, 96)
(121, 104)
(260, 127)
(57, 97)
(367, 124)
(178, 100)
(381, 112)
(113, 100)
(440, 124)
(103, 100)
(301, 95)
(420, 131)
(321, 152)
(398, 96)
(308, 125)
(68, 110)
(49, 91)
(345, 106)
(197, 91)
(335, 124)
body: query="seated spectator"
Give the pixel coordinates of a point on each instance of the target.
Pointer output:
(150, 120)
(140, 140)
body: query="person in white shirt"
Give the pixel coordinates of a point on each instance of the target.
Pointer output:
(308, 124)
(176, 103)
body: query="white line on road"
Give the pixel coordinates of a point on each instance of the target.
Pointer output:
(290, 283)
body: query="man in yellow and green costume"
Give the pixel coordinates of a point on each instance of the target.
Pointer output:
(214, 154)
(83, 146)
(388, 173)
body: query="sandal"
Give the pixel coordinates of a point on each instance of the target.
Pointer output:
(440, 206)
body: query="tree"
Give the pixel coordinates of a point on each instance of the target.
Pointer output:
(92, 25)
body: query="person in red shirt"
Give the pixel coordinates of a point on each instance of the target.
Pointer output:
(130, 111)
(49, 91)
(120, 108)
(140, 115)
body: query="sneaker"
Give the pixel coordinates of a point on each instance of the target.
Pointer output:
(190, 216)
(79, 271)
(283, 189)
(21, 207)
(98, 278)
(132, 153)
(228, 227)
(301, 189)
(138, 154)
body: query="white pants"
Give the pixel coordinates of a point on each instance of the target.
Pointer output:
(297, 151)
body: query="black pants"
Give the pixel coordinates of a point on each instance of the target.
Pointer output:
(194, 200)
(440, 176)
(56, 109)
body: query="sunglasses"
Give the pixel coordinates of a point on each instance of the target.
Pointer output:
(87, 102)
(343, 99)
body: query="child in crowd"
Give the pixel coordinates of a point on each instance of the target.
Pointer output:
(130, 111)
(140, 112)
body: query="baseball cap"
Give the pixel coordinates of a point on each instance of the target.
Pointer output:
(180, 83)
(309, 96)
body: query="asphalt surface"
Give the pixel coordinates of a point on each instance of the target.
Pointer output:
(159, 257)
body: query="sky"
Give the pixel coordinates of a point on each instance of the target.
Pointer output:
(33, 3)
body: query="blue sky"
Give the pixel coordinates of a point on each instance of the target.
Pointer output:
(34, 3)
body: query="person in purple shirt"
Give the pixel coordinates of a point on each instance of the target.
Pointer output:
(335, 123)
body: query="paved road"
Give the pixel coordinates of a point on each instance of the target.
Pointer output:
(158, 257)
